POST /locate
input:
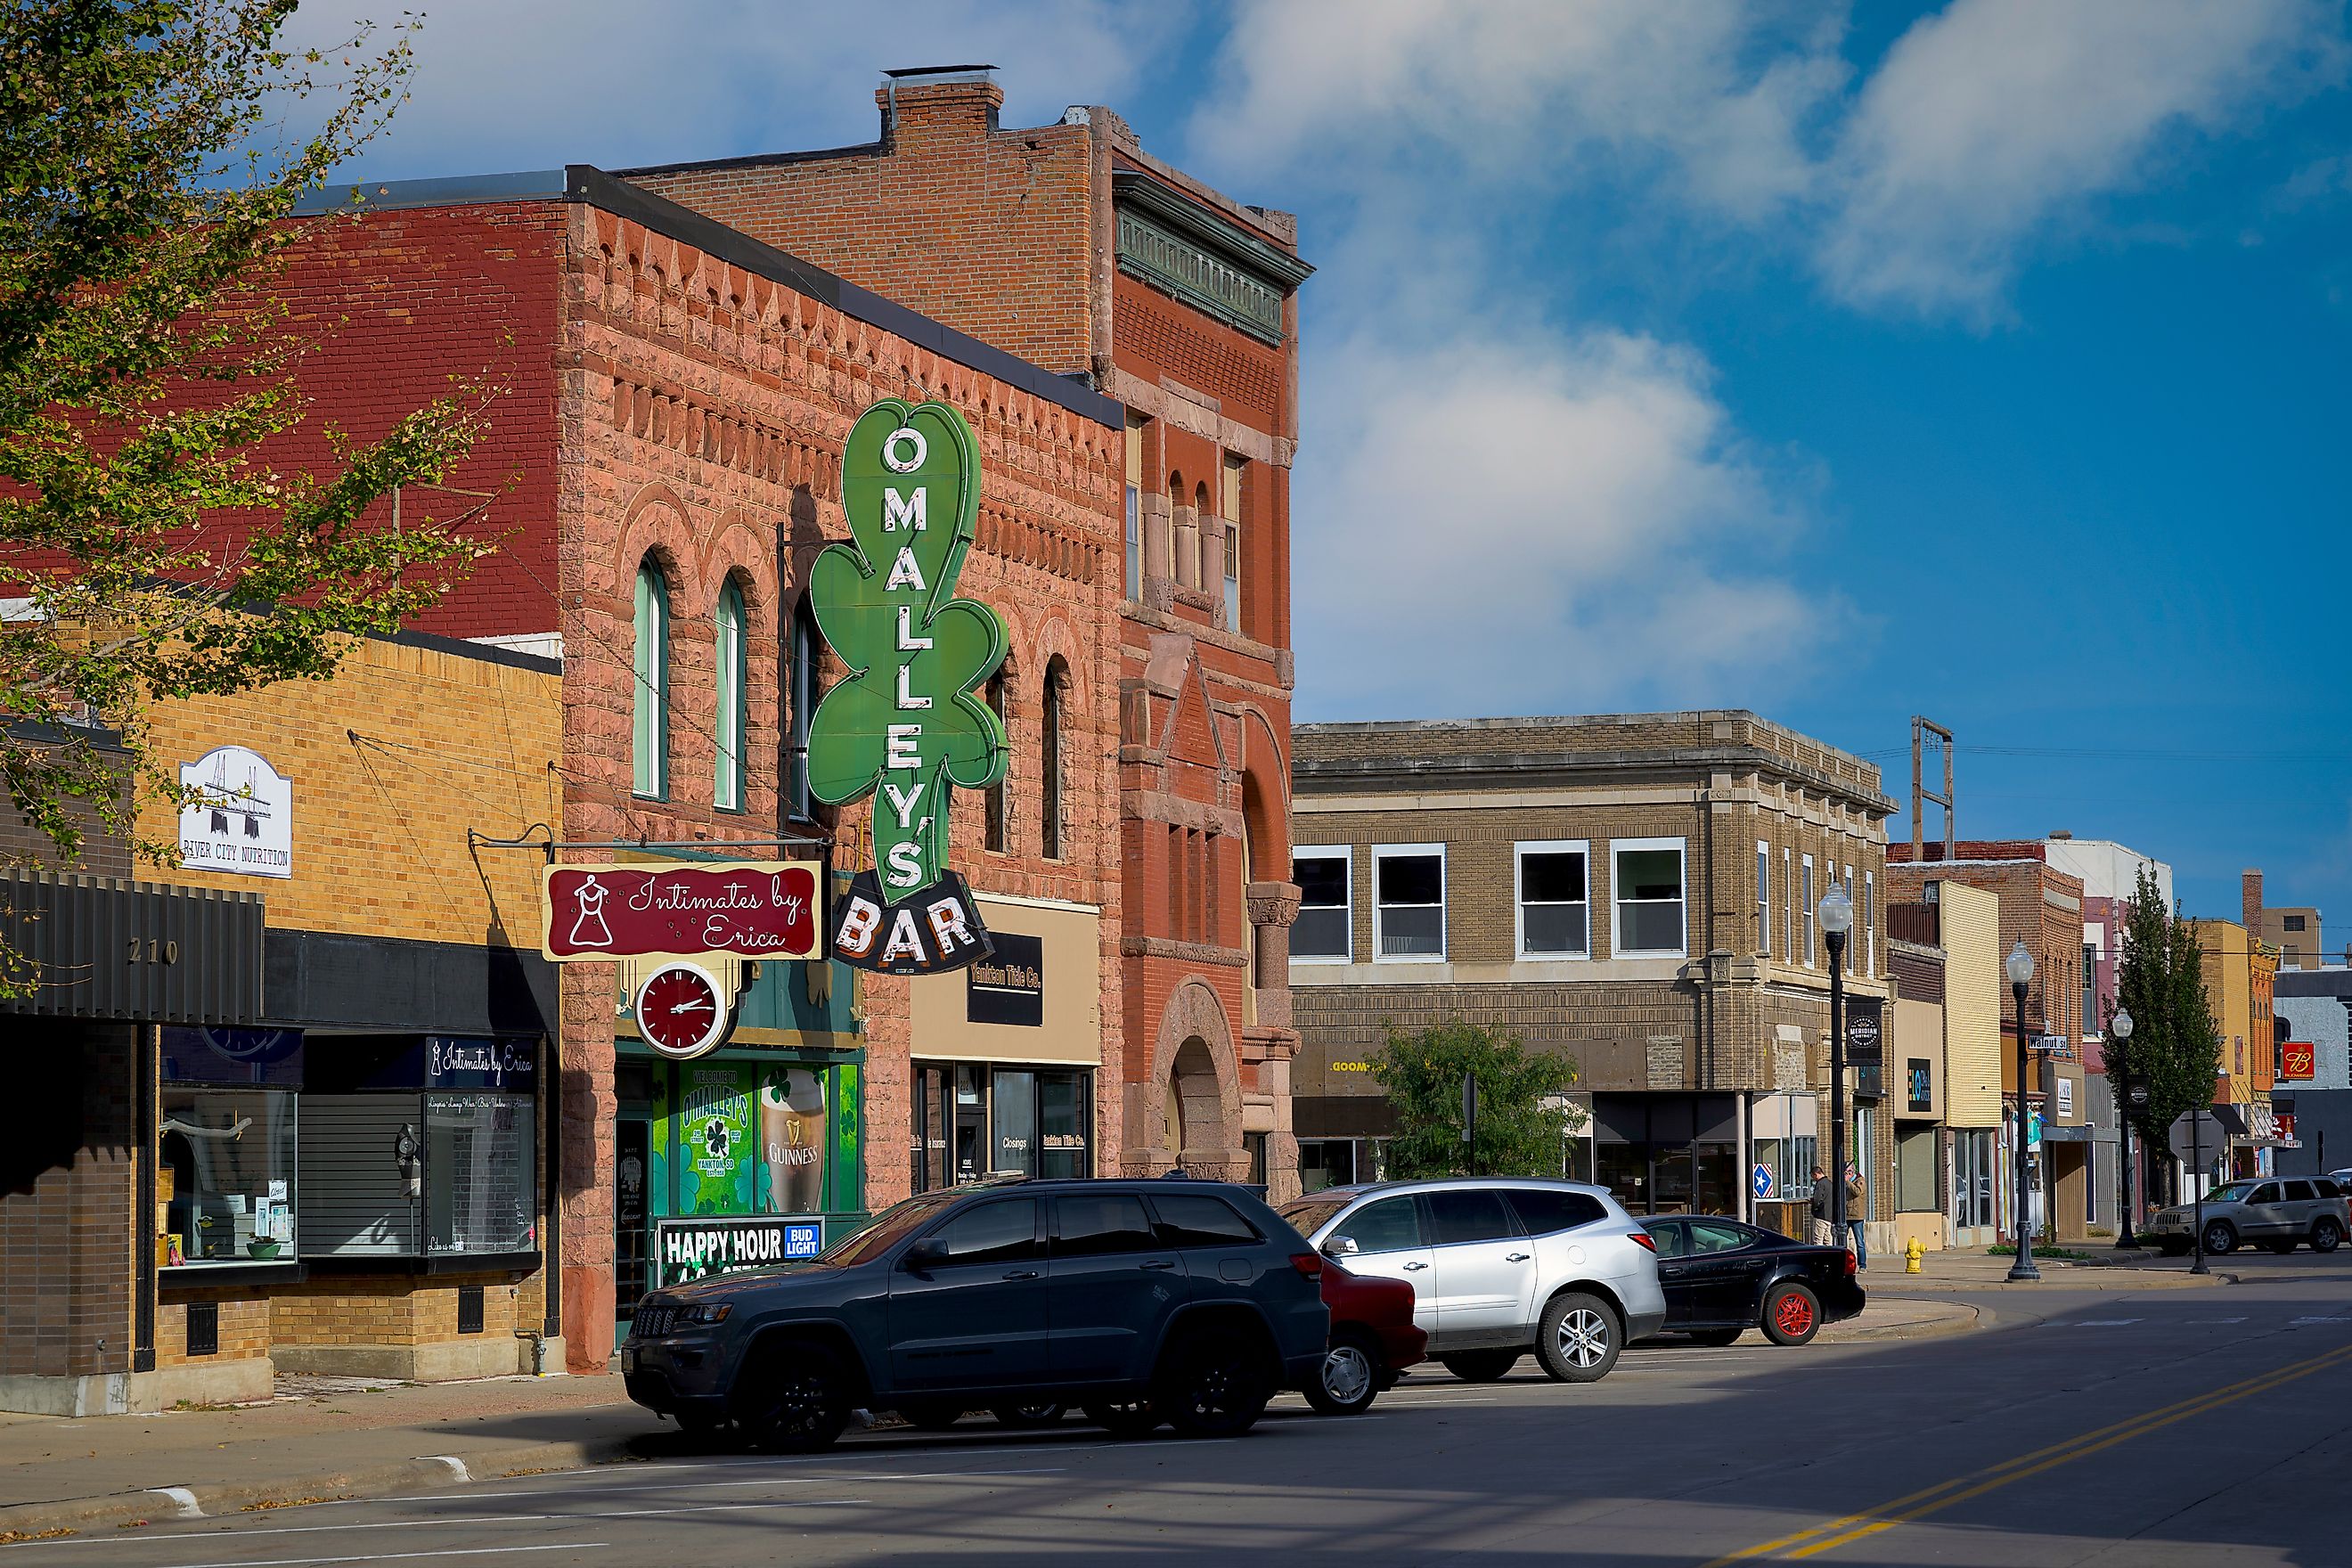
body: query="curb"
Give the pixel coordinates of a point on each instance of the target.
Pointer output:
(160, 1505)
(1963, 1319)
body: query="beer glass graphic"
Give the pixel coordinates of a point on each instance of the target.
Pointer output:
(792, 1134)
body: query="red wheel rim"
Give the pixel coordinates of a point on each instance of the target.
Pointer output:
(1794, 1314)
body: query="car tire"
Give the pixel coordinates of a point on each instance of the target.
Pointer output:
(1716, 1338)
(1793, 1314)
(2327, 1235)
(1029, 1417)
(795, 1399)
(1124, 1420)
(1579, 1338)
(1348, 1379)
(1211, 1383)
(1480, 1366)
(2221, 1238)
(930, 1417)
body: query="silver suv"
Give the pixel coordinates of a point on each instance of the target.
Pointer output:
(1500, 1265)
(2276, 1212)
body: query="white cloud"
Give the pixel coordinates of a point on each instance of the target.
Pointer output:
(1513, 521)
(520, 84)
(1995, 121)
(1514, 89)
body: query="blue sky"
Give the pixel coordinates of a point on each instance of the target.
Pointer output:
(1986, 361)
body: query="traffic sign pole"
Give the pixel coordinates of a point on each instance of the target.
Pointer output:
(2197, 1175)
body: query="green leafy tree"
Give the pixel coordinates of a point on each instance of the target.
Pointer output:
(2175, 1047)
(904, 722)
(1518, 1133)
(149, 546)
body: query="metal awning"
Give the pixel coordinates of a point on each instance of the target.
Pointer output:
(111, 948)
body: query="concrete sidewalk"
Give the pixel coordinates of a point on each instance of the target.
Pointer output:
(322, 1437)
(2106, 1270)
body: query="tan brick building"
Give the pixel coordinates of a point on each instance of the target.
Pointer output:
(1072, 245)
(391, 986)
(1636, 892)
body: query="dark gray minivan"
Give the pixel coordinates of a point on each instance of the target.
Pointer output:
(1189, 1302)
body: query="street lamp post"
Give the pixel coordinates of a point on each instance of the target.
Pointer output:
(2020, 966)
(1836, 915)
(2120, 1027)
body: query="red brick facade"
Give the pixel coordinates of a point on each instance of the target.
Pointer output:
(1019, 245)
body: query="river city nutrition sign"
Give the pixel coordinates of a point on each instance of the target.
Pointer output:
(904, 724)
(752, 909)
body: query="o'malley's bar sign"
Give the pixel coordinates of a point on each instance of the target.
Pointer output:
(904, 724)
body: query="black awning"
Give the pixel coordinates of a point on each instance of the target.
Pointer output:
(2233, 1121)
(106, 947)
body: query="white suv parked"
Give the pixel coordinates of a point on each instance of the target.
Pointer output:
(1500, 1265)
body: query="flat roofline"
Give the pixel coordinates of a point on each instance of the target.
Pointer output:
(592, 186)
(1577, 721)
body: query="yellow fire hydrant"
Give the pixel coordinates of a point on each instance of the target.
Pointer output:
(1913, 1250)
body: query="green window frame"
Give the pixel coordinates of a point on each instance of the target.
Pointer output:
(649, 734)
(726, 789)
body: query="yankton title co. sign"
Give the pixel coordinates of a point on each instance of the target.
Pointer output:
(904, 724)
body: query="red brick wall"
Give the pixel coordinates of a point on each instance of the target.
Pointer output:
(404, 301)
(704, 423)
(986, 230)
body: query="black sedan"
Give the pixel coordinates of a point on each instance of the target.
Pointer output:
(1722, 1278)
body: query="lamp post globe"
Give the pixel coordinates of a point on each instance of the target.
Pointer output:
(2119, 1029)
(1835, 912)
(2019, 968)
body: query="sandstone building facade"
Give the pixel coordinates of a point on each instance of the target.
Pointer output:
(1635, 891)
(1073, 246)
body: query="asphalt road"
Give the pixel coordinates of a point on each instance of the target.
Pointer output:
(2206, 1428)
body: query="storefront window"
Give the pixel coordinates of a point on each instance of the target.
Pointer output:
(480, 1195)
(1031, 1121)
(226, 1178)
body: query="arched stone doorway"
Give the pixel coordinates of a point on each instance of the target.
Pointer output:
(1194, 1133)
(1195, 1089)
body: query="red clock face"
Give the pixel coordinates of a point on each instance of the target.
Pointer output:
(679, 1011)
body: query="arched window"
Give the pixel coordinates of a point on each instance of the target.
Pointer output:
(804, 707)
(995, 833)
(1049, 757)
(726, 792)
(649, 737)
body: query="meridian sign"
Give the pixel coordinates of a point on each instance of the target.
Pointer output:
(904, 725)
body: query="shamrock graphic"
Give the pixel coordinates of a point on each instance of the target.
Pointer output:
(904, 723)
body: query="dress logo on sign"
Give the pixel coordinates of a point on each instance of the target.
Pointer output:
(753, 908)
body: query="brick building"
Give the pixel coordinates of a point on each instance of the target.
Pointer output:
(328, 965)
(1073, 246)
(1636, 892)
(678, 393)
(2294, 930)
(2041, 906)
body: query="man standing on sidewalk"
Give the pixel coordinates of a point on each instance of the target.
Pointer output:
(1855, 1213)
(1824, 1229)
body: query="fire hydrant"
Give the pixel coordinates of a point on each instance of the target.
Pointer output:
(1913, 1250)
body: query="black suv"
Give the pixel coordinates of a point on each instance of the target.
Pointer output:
(1189, 1302)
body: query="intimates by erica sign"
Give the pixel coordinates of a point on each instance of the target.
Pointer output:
(755, 908)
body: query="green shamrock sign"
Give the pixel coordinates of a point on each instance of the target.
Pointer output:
(904, 724)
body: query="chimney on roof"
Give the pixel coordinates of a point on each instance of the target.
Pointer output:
(2058, 834)
(2250, 900)
(938, 103)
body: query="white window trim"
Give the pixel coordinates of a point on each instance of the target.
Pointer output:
(1381, 852)
(1618, 846)
(1519, 903)
(1763, 899)
(1852, 890)
(1345, 855)
(1870, 924)
(1787, 906)
(1805, 914)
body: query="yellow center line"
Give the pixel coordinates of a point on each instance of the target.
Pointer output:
(1959, 1489)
